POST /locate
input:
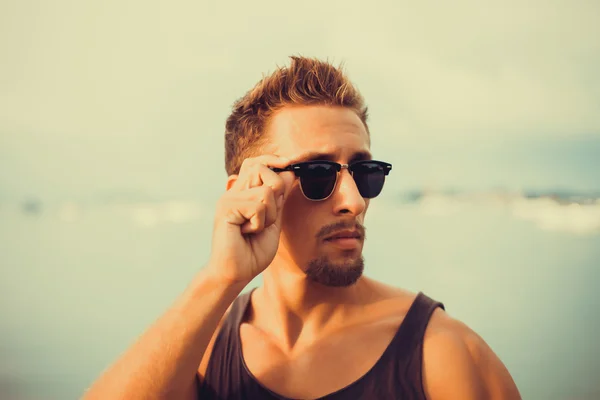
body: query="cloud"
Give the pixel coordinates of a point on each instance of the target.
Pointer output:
(463, 70)
(439, 70)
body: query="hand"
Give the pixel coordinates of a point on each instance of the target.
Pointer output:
(248, 220)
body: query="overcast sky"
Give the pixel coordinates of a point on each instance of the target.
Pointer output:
(132, 95)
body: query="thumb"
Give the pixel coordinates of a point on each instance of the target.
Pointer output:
(288, 180)
(280, 205)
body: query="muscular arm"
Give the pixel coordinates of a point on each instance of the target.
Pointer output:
(164, 361)
(458, 364)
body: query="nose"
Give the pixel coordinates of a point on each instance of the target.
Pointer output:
(346, 198)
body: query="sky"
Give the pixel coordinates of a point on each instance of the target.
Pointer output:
(131, 96)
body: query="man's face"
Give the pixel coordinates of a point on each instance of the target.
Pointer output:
(305, 133)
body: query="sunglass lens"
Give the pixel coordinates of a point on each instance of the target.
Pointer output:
(318, 180)
(369, 178)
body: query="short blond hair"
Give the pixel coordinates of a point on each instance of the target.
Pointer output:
(307, 81)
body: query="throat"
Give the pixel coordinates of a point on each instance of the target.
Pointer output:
(296, 317)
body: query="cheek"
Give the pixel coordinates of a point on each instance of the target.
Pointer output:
(295, 212)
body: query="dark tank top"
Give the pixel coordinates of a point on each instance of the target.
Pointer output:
(396, 375)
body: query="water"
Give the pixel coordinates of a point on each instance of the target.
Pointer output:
(80, 282)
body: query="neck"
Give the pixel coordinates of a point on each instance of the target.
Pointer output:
(297, 311)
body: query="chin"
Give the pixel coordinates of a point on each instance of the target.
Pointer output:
(334, 273)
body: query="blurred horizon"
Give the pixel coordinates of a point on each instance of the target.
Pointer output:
(557, 165)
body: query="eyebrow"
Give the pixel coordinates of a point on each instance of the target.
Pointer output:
(314, 155)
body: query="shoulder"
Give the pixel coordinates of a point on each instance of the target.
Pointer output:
(458, 363)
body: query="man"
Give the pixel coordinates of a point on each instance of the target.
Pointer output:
(301, 178)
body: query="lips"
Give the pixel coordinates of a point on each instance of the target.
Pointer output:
(344, 235)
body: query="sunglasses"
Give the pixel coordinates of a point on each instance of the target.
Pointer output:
(319, 178)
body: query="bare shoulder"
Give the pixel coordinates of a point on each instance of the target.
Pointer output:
(458, 363)
(385, 293)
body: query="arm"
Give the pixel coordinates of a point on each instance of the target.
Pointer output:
(163, 362)
(457, 363)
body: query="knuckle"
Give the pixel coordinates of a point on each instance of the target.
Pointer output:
(253, 171)
(260, 222)
(267, 192)
(278, 184)
(261, 208)
(246, 163)
(275, 182)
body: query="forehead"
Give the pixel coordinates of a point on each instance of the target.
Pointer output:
(294, 131)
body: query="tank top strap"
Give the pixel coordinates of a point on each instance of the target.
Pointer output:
(397, 373)
(408, 345)
(238, 310)
(415, 322)
(225, 375)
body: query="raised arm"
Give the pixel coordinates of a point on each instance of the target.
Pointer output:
(164, 361)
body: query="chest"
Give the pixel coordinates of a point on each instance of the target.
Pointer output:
(321, 368)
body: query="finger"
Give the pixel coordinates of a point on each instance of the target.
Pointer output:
(262, 194)
(270, 202)
(269, 160)
(257, 221)
(273, 180)
(250, 215)
(251, 172)
(260, 175)
(280, 203)
(288, 178)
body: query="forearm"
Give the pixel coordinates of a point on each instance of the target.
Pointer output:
(164, 361)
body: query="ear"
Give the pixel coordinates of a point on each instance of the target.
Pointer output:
(231, 179)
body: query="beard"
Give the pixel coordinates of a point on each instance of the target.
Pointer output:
(327, 273)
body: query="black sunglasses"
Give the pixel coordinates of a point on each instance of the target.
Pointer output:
(318, 178)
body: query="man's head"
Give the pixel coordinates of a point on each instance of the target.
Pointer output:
(304, 112)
